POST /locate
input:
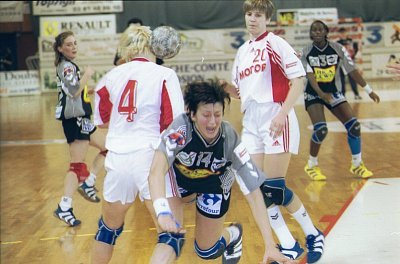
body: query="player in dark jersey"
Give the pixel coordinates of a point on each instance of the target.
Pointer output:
(206, 155)
(74, 111)
(322, 60)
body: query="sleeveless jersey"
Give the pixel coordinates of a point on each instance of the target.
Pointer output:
(325, 64)
(139, 99)
(262, 69)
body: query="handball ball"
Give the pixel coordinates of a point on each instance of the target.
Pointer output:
(165, 42)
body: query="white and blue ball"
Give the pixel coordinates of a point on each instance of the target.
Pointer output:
(165, 42)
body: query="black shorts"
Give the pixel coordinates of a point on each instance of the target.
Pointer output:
(310, 99)
(78, 128)
(211, 205)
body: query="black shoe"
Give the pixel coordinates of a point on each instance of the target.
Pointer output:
(233, 250)
(88, 192)
(66, 216)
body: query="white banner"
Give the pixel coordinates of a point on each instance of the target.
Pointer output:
(392, 34)
(76, 7)
(19, 83)
(209, 67)
(305, 16)
(373, 35)
(11, 11)
(89, 48)
(80, 25)
(379, 62)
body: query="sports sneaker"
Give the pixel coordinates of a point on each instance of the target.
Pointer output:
(315, 247)
(357, 97)
(315, 173)
(66, 216)
(88, 192)
(361, 171)
(291, 253)
(233, 251)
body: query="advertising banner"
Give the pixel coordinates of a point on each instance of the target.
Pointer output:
(379, 62)
(305, 16)
(392, 34)
(19, 83)
(41, 8)
(11, 11)
(80, 25)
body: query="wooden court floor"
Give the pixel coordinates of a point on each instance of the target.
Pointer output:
(34, 159)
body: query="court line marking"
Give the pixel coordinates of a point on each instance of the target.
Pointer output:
(86, 235)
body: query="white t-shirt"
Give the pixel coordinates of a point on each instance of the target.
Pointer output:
(263, 68)
(139, 99)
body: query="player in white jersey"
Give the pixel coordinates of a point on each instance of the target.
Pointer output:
(137, 100)
(267, 76)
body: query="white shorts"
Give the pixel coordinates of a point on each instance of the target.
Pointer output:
(127, 175)
(255, 134)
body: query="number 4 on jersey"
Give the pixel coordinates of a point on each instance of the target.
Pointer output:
(127, 102)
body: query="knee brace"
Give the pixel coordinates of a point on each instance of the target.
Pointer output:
(320, 132)
(276, 190)
(80, 169)
(174, 240)
(212, 253)
(104, 152)
(353, 128)
(267, 200)
(106, 234)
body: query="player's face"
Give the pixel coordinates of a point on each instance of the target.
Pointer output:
(208, 119)
(69, 48)
(318, 33)
(256, 22)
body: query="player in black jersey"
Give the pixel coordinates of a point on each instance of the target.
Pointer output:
(206, 155)
(323, 60)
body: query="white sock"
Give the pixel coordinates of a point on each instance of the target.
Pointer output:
(356, 159)
(312, 161)
(65, 203)
(91, 180)
(280, 228)
(305, 222)
(233, 233)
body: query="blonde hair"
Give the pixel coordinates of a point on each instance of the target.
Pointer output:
(265, 6)
(134, 40)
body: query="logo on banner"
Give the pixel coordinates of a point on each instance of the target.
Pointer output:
(50, 28)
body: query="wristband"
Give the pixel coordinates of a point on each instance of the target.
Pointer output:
(367, 89)
(161, 206)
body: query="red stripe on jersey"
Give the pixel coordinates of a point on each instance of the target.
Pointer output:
(172, 179)
(104, 105)
(280, 84)
(167, 114)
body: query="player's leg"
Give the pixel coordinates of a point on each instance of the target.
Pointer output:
(320, 130)
(87, 189)
(110, 227)
(119, 192)
(77, 172)
(345, 114)
(212, 240)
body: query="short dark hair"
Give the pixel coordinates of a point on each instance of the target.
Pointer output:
(205, 92)
(135, 20)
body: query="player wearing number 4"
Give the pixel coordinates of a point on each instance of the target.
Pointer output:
(206, 154)
(322, 60)
(74, 110)
(137, 100)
